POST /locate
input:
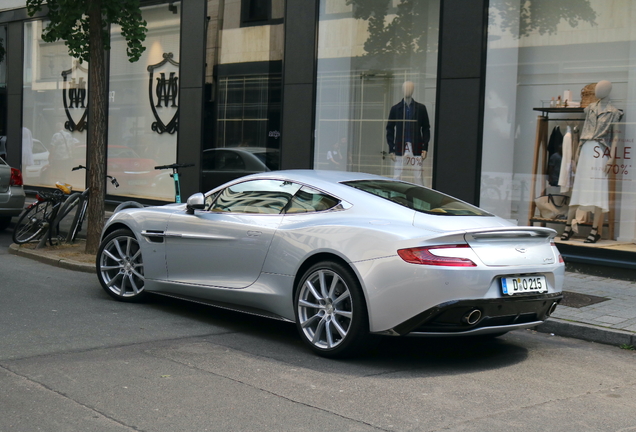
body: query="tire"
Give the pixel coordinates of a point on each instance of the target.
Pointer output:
(120, 267)
(31, 223)
(5, 221)
(64, 221)
(331, 314)
(78, 221)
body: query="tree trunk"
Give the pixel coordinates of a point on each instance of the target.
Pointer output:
(97, 124)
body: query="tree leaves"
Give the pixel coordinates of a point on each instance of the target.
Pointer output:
(69, 22)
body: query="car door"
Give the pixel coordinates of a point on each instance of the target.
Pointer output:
(226, 244)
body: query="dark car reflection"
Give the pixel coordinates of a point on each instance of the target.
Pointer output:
(221, 165)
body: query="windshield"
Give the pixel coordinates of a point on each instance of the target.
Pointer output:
(417, 198)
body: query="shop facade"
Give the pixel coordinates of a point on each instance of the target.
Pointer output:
(452, 94)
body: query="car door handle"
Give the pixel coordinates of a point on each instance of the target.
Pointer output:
(254, 233)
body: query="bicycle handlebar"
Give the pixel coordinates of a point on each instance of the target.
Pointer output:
(174, 166)
(113, 180)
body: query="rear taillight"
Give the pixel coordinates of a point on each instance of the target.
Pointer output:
(552, 243)
(16, 177)
(423, 255)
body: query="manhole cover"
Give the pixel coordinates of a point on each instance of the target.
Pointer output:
(577, 300)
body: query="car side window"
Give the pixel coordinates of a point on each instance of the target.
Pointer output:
(309, 200)
(255, 196)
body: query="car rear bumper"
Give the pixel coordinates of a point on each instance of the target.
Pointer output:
(12, 201)
(494, 316)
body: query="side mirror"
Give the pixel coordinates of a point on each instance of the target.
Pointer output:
(195, 202)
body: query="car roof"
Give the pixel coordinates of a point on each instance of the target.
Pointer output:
(327, 181)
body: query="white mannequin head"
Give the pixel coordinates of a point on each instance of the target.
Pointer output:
(603, 89)
(408, 87)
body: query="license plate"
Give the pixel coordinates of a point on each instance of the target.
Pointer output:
(523, 285)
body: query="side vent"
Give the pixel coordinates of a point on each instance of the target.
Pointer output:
(154, 236)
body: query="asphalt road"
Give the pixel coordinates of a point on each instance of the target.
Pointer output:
(72, 359)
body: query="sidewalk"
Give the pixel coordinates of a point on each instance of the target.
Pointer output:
(594, 308)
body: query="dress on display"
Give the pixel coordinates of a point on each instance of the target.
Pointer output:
(590, 187)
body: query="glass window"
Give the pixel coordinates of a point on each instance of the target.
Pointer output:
(377, 69)
(143, 107)
(257, 196)
(243, 77)
(309, 200)
(54, 111)
(559, 121)
(417, 198)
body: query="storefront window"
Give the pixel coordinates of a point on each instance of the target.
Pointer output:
(143, 107)
(554, 154)
(245, 52)
(54, 111)
(372, 58)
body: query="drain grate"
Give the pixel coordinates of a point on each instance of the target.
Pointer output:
(577, 300)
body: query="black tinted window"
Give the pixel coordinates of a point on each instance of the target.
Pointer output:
(417, 198)
(310, 200)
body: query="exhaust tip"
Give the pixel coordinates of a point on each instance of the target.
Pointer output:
(552, 308)
(472, 317)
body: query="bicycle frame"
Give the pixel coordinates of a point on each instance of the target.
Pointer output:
(175, 176)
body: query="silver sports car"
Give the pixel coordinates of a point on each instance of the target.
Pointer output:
(343, 255)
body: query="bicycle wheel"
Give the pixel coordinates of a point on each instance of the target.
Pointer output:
(78, 221)
(63, 223)
(32, 222)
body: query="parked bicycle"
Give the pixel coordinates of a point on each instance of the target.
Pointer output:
(175, 176)
(177, 186)
(39, 216)
(75, 205)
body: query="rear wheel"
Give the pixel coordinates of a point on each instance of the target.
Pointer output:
(31, 223)
(331, 315)
(4, 222)
(63, 224)
(120, 267)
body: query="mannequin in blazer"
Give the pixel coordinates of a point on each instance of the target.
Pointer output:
(408, 133)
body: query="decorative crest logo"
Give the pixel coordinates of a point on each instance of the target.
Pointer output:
(166, 91)
(74, 97)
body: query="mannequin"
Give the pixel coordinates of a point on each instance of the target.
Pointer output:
(408, 133)
(596, 154)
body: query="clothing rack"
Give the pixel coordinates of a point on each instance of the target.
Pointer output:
(540, 153)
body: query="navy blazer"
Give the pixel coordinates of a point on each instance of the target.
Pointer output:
(420, 129)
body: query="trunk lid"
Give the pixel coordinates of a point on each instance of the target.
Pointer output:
(513, 246)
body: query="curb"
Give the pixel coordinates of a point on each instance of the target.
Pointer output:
(57, 262)
(587, 332)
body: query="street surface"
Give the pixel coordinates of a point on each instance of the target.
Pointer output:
(73, 359)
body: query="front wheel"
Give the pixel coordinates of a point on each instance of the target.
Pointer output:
(331, 315)
(120, 267)
(31, 223)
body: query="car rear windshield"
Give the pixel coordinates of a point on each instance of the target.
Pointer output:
(417, 198)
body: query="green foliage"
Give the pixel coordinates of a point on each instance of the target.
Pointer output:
(542, 15)
(403, 35)
(69, 22)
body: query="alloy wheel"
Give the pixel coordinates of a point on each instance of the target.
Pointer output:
(325, 309)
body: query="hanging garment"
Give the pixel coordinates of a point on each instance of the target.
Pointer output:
(555, 142)
(566, 175)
